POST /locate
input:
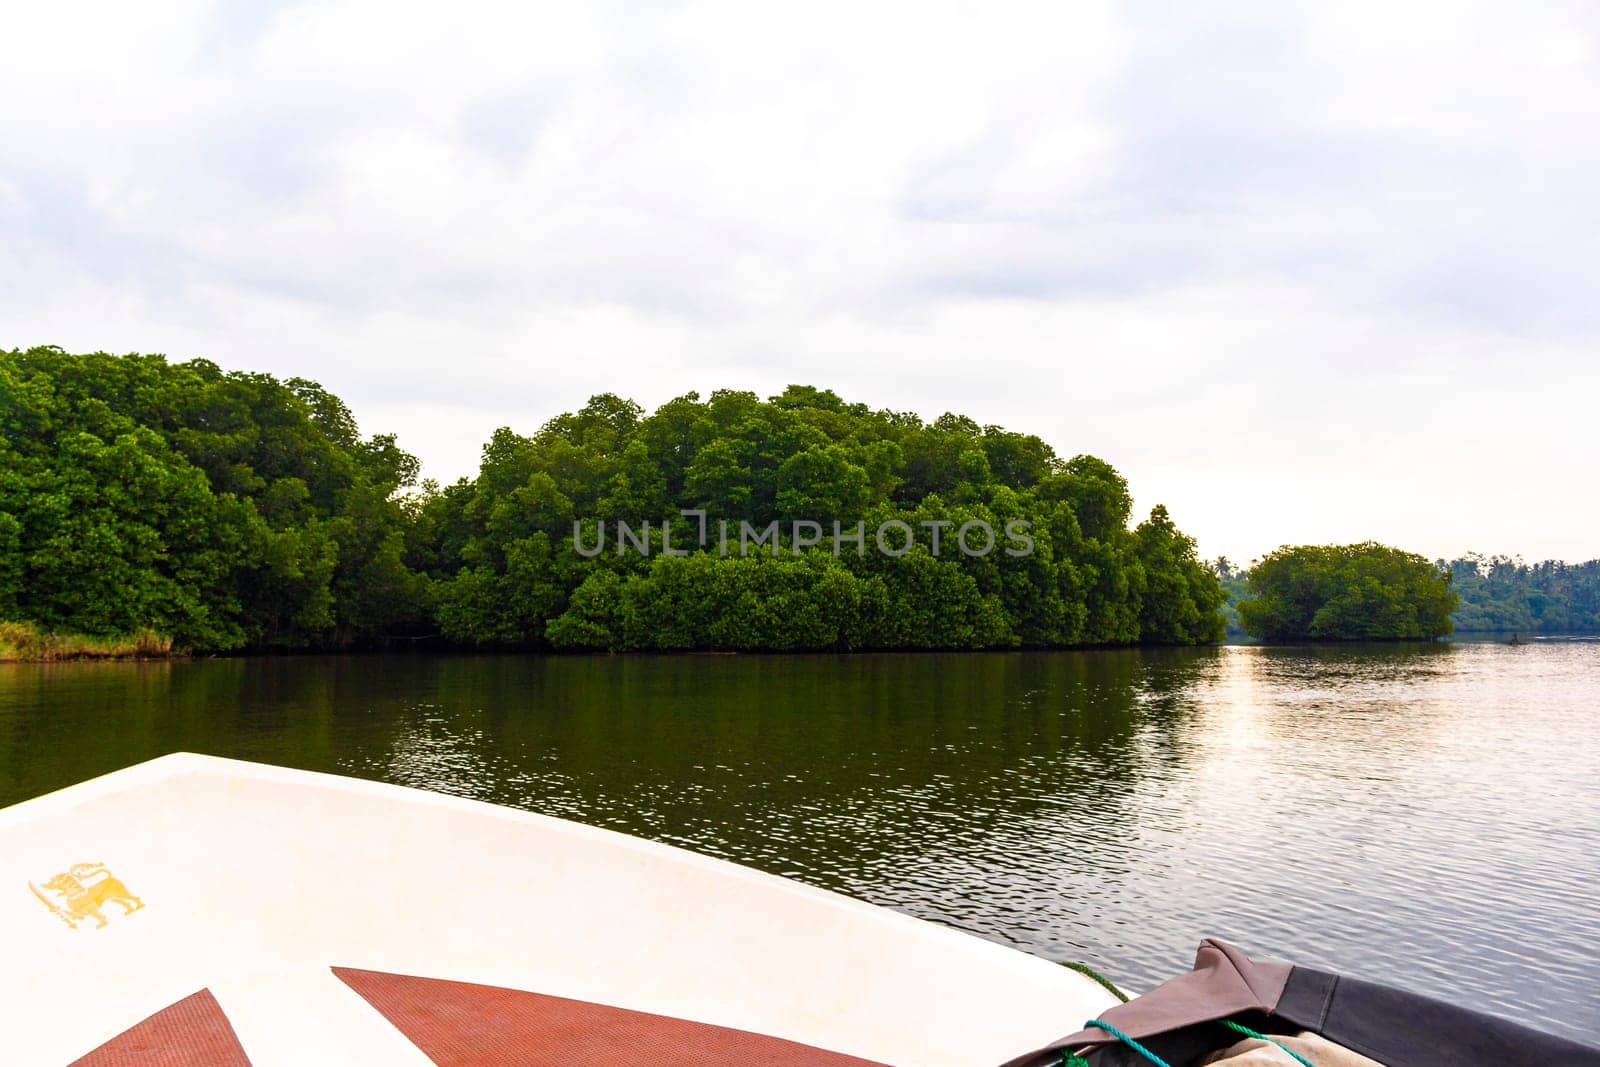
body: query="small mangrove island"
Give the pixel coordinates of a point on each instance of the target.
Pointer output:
(1365, 592)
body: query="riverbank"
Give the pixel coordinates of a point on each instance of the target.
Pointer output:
(22, 642)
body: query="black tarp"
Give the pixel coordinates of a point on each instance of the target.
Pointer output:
(1179, 1020)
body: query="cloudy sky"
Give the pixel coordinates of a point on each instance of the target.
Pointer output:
(1303, 272)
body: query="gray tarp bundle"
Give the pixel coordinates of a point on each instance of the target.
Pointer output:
(1178, 1020)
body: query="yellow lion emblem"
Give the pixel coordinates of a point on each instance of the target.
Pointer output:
(81, 890)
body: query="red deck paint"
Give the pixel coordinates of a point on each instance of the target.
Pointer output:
(458, 1024)
(191, 1033)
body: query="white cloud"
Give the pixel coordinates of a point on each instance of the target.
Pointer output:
(1304, 272)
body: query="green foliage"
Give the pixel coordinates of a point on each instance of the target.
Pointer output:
(1502, 594)
(220, 510)
(25, 642)
(500, 551)
(233, 510)
(1347, 593)
(1181, 596)
(1235, 588)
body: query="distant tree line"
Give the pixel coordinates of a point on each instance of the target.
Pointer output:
(229, 510)
(1501, 593)
(1235, 587)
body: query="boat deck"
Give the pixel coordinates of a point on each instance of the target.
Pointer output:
(461, 1024)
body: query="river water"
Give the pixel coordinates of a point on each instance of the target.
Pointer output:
(1423, 815)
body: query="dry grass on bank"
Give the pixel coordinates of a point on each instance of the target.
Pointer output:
(24, 642)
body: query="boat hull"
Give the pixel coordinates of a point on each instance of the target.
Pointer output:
(254, 883)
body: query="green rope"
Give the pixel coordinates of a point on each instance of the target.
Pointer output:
(1130, 1042)
(1089, 972)
(1068, 1058)
(1247, 1032)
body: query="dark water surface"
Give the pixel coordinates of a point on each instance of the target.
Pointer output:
(1426, 815)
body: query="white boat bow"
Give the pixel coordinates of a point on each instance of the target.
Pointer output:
(300, 918)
